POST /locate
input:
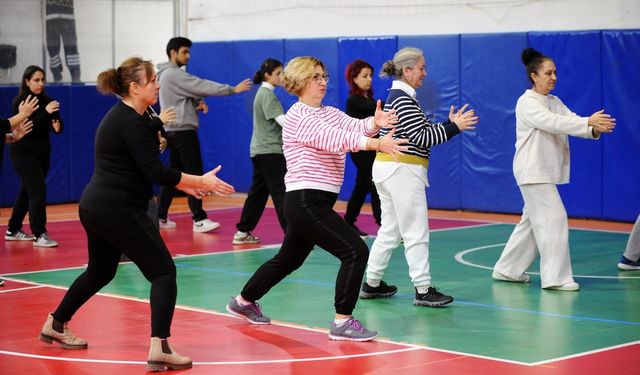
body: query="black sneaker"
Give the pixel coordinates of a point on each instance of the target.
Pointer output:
(360, 233)
(381, 291)
(432, 298)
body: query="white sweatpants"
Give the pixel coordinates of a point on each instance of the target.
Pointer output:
(403, 201)
(543, 228)
(633, 245)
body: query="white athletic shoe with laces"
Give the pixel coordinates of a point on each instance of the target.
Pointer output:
(243, 238)
(205, 225)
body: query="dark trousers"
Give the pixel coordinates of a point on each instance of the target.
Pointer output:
(268, 179)
(184, 148)
(363, 161)
(63, 30)
(32, 166)
(311, 221)
(134, 235)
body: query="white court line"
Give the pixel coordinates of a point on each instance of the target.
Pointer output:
(20, 289)
(459, 257)
(547, 361)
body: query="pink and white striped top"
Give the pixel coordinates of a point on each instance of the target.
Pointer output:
(315, 144)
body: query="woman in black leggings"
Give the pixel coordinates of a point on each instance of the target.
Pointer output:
(113, 211)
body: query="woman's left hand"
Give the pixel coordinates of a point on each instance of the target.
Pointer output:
(383, 119)
(167, 115)
(53, 106)
(196, 193)
(391, 146)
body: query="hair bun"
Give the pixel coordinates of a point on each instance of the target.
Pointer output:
(529, 54)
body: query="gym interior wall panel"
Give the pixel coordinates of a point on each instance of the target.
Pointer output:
(577, 56)
(247, 57)
(87, 107)
(492, 79)
(6, 174)
(375, 51)
(621, 149)
(440, 90)
(213, 61)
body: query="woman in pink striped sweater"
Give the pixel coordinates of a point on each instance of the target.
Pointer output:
(316, 139)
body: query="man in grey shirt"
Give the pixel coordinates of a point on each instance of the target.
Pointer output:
(185, 92)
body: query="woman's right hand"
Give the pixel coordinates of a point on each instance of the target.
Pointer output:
(23, 129)
(28, 106)
(602, 122)
(391, 146)
(167, 115)
(53, 106)
(212, 184)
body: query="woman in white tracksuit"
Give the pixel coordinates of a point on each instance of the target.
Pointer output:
(540, 163)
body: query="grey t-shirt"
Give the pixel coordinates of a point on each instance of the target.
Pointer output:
(267, 133)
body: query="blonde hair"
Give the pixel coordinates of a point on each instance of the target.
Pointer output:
(118, 81)
(298, 72)
(405, 57)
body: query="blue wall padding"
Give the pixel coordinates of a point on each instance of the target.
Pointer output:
(491, 81)
(596, 69)
(621, 155)
(375, 51)
(579, 86)
(440, 90)
(87, 110)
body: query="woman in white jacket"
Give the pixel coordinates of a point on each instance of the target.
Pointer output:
(540, 163)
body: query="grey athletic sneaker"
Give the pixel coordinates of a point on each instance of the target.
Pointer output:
(252, 313)
(351, 330)
(44, 241)
(244, 238)
(18, 235)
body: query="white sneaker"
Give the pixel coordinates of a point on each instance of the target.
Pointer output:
(243, 238)
(167, 224)
(1, 282)
(205, 225)
(18, 235)
(524, 278)
(566, 287)
(44, 241)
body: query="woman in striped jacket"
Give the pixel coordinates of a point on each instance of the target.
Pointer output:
(316, 139)
(401, 182)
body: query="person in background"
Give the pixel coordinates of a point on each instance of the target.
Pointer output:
(360, 104)
(630, 260)
(113, 208)
(31, 158)
(269, 165)
(541, 162)
(185, 92)
(316, 139)
(15, 128)
(61, 29)
(401, 183)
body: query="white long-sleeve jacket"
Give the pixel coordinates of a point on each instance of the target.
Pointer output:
(543, 123)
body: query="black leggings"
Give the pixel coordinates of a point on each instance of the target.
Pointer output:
(136, 236)
(312, 221)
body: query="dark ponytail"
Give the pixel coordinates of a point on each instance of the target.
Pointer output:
(532, 59)
(268, 66)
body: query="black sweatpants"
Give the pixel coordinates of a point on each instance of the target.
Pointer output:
(184, 156)
(363, 161)
(135, 236)
(268, 179)
(312, 221)
(32, 166)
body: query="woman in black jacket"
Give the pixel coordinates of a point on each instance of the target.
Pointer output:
(31, 157)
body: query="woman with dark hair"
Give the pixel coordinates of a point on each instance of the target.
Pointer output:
(269, 166)
(113, 212)
(316, 139)
(360, 104)
(541, 162)
(31, 158)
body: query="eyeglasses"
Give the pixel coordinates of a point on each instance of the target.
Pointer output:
(320, 77)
